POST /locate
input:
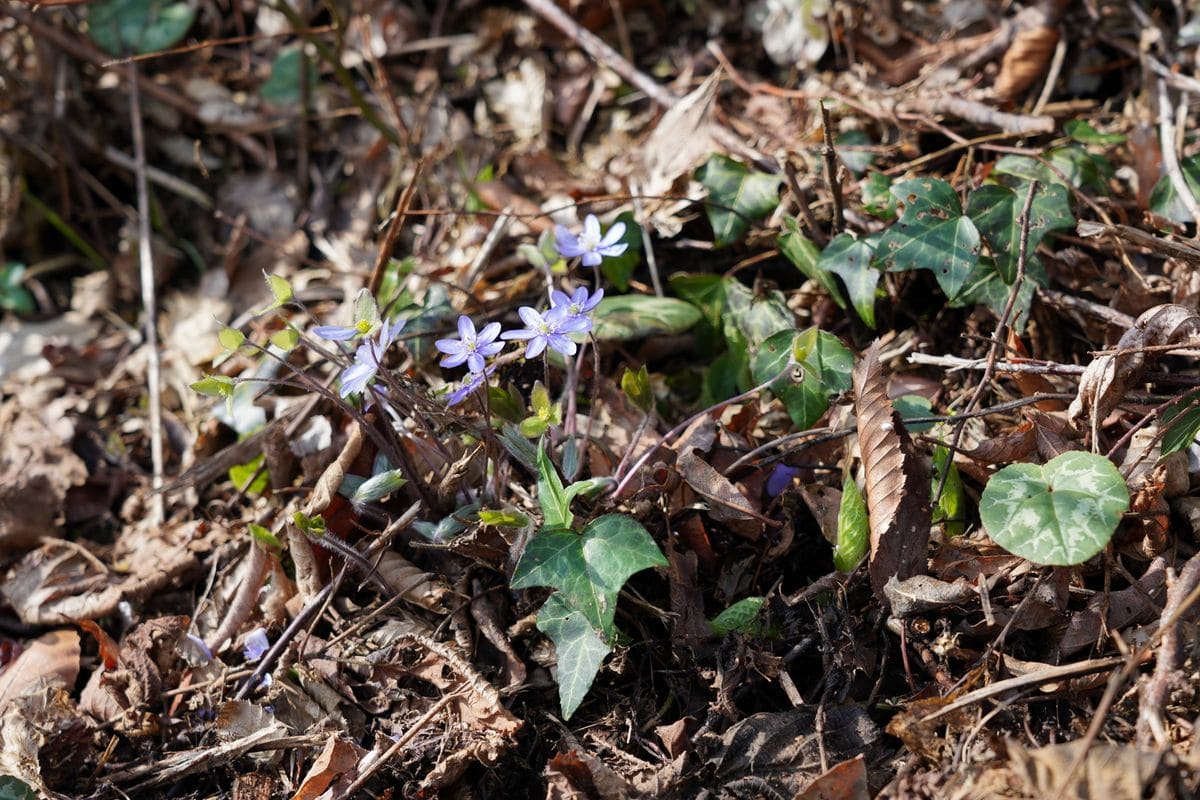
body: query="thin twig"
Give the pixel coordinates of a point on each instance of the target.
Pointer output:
(833, 173)
(146, 271)
(1170, 653)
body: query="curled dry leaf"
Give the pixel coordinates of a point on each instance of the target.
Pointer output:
(922, 593)
(1115, 611)
(36, 470)
(339, 758)
(897, 481)
(1107, 379)
(51, 659)
(411, 582)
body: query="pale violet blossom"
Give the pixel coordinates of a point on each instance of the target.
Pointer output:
(470, 347)
(368, 359)
(255, 645)
(542, 331)
(590, 245)
(471, 383)
(577, 308)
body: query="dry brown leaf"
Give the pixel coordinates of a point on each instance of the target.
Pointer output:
(411, 582)
(825, 503)
(36, 470)
(922, 593)
(579, 775)
(1112, 771)
(338, 758)
(844, 781)
(1109, 378)
(1016, 445)
(897, 481)
(726, 503)
(1124, 607)
(52, 658)
(1029, 53)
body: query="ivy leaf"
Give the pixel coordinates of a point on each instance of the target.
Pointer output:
(738, 195)
(996, 210)
(984, 285)
(877, 198)
(825, 362)
(742, 616)
(634, 316)
(751, 318)
(1164, 200)
(138, 26)
(589, 569)
(805, 255)
(1082, 169)
(1062, 513)
(578, 649)
(932, 234)
(850, 259)
(853, 527)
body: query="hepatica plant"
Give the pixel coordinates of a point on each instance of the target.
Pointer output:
(1061, 513)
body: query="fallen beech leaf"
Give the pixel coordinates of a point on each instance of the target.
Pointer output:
(1017, 445)
(726, 503)
(844, 781)
(52, 658)
(1107, 379)
(337, 758)
(897, 481)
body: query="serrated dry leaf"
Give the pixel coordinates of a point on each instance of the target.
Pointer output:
(897, 481)
(1107, 379)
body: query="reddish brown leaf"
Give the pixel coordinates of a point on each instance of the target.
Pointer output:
(54, 658)
(897, 481)
(1030, 383)
(1017, 445)
(108, 647)
(844, 781)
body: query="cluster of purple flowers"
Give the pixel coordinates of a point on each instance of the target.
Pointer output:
(553, 329)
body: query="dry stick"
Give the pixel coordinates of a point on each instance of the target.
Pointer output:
(803, 203)
(1170, 153)
(1000, 334)
(1118, 679)
(955, 363)
(1166, 669)
(833, 175)
(403, 204)
(595, 47)
(146, 271)
(353, 789)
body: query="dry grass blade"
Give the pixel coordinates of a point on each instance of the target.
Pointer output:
(897, 481)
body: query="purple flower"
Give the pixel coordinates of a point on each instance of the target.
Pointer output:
(542, 331)
(590, 244)
(255, 644)
(474, 381)
(368, 358)
(781, 478)
(577, 308)
(470, 347)
(196, 646)
(342, 333)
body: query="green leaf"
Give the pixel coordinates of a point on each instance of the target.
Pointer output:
(282, 88)
(742, 617)
(587, 487)
(533, 427)
(984, 285)
(619, 269)
(265, 537)
(392, 284)
(706, 292)
(589, 568)
(214, 386)
(377, 487)
(805, 255)
(503, 518)
(856, 160)
(506, 404)
(750, 318)
(996, 211)
(1062, 513)
(313, 526)
(286, 339)
(138, 26)
(951, 506)
(242, 474)
(1082, 131)
(578, 649)
(910, 406)
(850, 259)
(1164, 200)
(14, 296)
(636, 386)
(932, 234)
(1080, 168)
(1181, 421)
(231, 338)
(737, 196)
(556, 506)
(634, 316)
(877, 197)
(853, 530)
(822, 358)
(12, 788)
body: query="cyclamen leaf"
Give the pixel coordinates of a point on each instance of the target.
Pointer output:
(1164, 200)
(932, 234)
(1182, 423)
(578, 649)
(850, 259)
(138, 26)
(996, 211)
(897, 482)
(1062, 513)
(589, 568)
(738, 195)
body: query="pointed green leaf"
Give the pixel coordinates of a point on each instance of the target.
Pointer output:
(589, 568)
(932, 234)
(742, 617)
(996, 211)
(804, 254)
(231, 338)
(578, 649)
(214, 386)
(13, 295)
(264, 537)
(850, 259)
(634, 316)
(286, 339)
(556, 508)
(636, 386)
(503, 518)
(737, 196)
(1062, 513)
(853, 530)
(1081, 131)
(825, 364)
(1164, 200)
(1181, 420)
(952, 505)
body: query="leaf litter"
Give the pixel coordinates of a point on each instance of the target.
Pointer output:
(776, 298)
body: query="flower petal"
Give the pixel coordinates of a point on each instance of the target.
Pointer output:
(455, 359)
(488, 334)
(613, 236)
(335, 333)
(466, 328)
(612, 250)
(591, 259)
(535, 347)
